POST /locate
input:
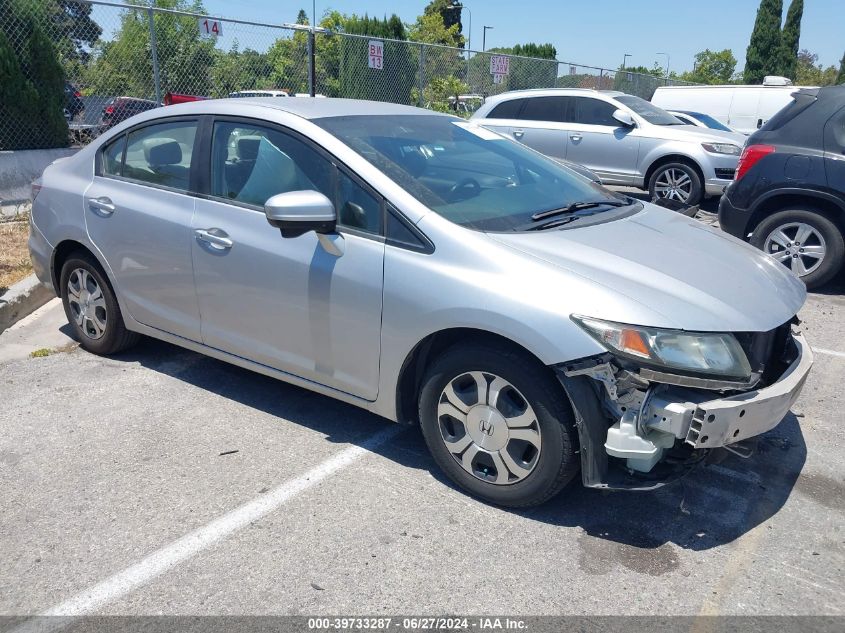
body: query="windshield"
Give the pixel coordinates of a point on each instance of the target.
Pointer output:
(467, 174)
(709, 121)
(649, 111)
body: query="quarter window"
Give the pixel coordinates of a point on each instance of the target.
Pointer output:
(161, 154)
(251, 164)
(595, 112)
(113, 157)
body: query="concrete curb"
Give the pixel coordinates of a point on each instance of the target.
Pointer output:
(22, 299)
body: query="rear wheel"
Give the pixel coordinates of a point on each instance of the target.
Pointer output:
(499, 425)
(91, 307)
(676, 181)
(804, 240)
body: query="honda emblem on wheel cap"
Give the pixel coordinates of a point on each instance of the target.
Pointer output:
(486, 427)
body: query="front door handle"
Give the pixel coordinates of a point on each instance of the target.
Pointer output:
(102, 205)
(575, 137)
(518, 133)
(218, 239)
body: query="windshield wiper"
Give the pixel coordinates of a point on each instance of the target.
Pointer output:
(577, 206)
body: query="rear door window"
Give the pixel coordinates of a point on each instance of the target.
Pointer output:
(160, 154)
(552, 109)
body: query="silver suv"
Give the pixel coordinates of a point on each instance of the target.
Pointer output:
(622, 138)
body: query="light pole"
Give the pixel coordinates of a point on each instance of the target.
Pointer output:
(458, 5)
(484, 38)
(625, 58)
(667, 63)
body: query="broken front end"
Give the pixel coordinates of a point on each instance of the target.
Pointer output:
(660, 402)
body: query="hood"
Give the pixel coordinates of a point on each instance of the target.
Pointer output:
(691, 276)
(696, 134)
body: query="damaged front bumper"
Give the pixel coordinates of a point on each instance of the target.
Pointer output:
(637, 433)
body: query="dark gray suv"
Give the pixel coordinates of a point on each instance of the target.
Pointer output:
(789, 194)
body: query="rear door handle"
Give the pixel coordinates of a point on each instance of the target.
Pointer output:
(218, 240)
(575, 137)
(102, 205)
(518, 133)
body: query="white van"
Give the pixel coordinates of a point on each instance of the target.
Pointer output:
(743, 108)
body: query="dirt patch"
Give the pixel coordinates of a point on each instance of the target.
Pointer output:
(14, 255)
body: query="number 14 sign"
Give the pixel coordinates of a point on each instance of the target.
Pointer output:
(210, 27)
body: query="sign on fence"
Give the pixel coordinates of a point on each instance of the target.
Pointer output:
(375, 54)
(210, 27)
(499, 67)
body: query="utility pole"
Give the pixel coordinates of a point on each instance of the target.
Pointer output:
(625, 58)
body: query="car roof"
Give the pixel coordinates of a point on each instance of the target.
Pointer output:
(305, 107)
(551, 92)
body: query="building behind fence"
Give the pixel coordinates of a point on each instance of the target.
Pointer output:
(145, 53)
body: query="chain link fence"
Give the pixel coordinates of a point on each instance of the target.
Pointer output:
(114, 60)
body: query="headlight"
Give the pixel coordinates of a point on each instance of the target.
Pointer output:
(722, 148)
(707, 353)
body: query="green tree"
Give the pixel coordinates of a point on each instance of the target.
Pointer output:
(430, 29)
(235, 70)
(442, 93)
(840, 77)
(31, 80)
(712, 67)
(763, 55)
(123, 66)
(450, 12)
(789, 38)
(810, 73)
(395, 80)
(72, 29)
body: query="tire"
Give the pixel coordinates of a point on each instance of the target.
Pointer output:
(787, 226)
(533, 402)
(91, 307)
(687, 189)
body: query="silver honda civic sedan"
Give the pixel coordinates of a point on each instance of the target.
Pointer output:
(433, 272)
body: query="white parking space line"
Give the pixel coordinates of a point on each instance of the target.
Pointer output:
(828, 352)
(158, 562)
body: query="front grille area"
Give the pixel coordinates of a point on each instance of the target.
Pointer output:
(769, 353)
(725, 174)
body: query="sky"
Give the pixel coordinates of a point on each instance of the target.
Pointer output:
(592, 32)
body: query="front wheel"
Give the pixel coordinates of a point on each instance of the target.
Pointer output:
(805, 241)
(676, 181)
(499, 425)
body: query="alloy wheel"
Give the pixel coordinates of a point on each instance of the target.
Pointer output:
(674, 184)
(797, 245)
(489, 427)
(87, 303)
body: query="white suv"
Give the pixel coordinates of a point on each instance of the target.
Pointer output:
(624, 139)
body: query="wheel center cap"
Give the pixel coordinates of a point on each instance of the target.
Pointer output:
(487, 427)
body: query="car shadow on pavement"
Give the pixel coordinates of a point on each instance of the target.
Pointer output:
(714, 505)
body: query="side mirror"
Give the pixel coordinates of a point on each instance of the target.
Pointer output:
(624, 118)
(297, 212)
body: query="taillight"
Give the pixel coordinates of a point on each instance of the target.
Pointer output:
(109, 109)
(750, 155)
(36, 187)
(77, 94)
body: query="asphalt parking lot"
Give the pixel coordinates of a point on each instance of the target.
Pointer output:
(164, 482)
